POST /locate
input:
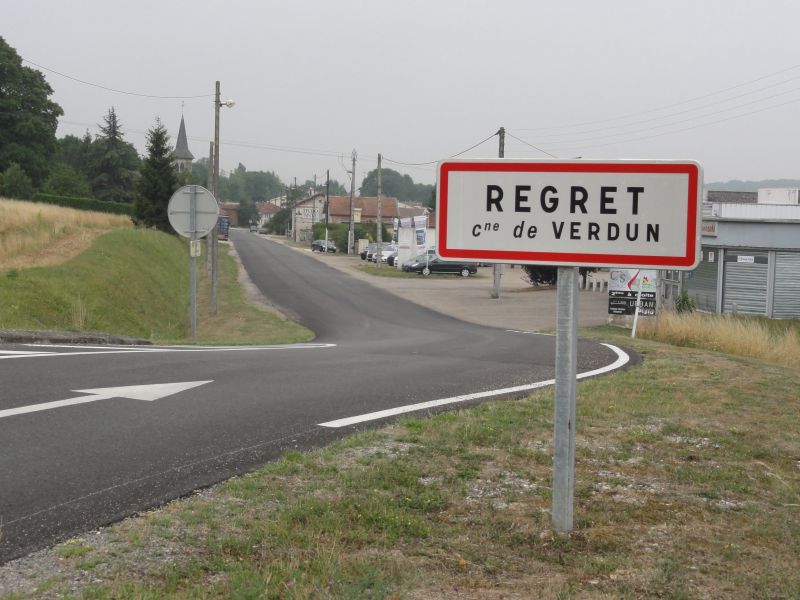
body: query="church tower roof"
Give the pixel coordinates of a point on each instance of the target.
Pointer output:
(181, 151)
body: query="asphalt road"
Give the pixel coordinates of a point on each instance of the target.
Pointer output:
(74, 467)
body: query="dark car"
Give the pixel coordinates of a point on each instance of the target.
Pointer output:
(320, 246)
(437, 265)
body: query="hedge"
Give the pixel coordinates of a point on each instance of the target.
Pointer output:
(117, 208)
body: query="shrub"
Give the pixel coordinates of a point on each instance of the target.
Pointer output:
(16, 183)
(685, 304)
(107, 206)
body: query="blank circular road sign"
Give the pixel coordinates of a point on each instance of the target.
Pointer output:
(193, 211)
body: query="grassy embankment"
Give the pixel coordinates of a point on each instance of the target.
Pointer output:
(687, 486)
(117, 279)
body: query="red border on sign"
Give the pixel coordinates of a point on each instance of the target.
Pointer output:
(687, 260)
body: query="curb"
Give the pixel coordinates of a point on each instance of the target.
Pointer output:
(69, 337)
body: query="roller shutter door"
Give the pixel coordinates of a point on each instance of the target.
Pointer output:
(744, 288)
(702, 284)
(786, 297)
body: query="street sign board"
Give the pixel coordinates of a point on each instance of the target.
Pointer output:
(192, 211)
(626, 213)
(627, 286)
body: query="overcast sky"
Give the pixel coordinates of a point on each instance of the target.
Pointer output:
(714, 81)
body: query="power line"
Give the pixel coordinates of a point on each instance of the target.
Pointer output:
(529, 144)
(688, 110)
(433, 162)
(647, 137)
(679, 122)
(652, 110)
(102, 87)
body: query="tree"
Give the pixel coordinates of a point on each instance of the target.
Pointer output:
(16, 183)
(65, 181)
(114, 162)
(157, 182)
(397, 185)
(28, 119)
(75, 153)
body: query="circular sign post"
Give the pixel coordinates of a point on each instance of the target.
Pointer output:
(193, 213)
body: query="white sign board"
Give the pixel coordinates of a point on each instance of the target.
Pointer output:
(192, 211)
(570, 213)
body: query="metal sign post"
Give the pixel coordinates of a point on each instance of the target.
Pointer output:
(566, 382)
(193, 212)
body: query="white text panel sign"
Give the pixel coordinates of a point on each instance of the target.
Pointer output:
(583, 213)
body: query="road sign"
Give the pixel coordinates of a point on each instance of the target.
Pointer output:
(626, 287)
(181, 207)
(571, 212)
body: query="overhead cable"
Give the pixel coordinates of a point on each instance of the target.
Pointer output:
(102, 87)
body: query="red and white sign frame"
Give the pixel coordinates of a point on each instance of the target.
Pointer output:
(685, 205)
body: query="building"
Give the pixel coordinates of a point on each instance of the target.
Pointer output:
(305, 214)
(365, 209)
(266, 210)
(750, 261)
(181, 156)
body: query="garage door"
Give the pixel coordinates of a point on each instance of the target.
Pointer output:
(786, 298)
(701, 284)
(744, 288)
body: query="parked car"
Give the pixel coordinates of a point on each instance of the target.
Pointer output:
(371, 254)
(429, 254)
(384, 254)
(428, 265)
(392, 259)
(320, 246)
(366, 251)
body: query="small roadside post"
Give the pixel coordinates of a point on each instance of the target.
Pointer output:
(569, 214)
(193, 212)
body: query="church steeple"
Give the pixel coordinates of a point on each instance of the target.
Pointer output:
(182, 156)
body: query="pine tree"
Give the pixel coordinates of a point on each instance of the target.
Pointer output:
(158, 181)
(114, 163)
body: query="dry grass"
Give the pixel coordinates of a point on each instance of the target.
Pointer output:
(37, 235)
(723, 333)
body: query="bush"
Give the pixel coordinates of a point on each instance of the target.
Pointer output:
(107, 206)
(16, 183)
(685, 304)
(338, 233)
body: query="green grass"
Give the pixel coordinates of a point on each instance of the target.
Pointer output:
(687, 486)
(135, 283)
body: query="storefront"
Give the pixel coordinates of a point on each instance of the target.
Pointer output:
(750, 261)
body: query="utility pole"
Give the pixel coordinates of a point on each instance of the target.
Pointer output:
(327, 203)
(350, 240)
(210, 187)
(497, 270)
(314, 207)
(379, 234)
(214, 234)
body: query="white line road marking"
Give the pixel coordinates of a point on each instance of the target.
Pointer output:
(622, 359)
(148, 393)
(100, 350)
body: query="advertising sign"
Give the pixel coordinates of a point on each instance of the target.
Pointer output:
(570, 213)
(623, 286)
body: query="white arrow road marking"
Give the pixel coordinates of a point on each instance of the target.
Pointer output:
(622, 359)
(131, 392)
